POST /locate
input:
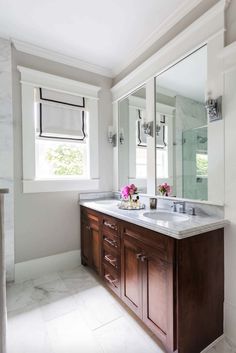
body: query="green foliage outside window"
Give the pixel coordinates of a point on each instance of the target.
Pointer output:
(66, 160)
(202, 165)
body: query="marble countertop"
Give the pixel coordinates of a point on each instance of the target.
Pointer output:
(193, 226)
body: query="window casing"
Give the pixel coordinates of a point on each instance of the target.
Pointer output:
(83, 140)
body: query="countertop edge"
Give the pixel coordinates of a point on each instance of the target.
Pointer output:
(196, 230)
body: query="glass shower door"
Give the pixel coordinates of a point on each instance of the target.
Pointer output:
(195, 163)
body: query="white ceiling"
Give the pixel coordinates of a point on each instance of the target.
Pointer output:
(187, 78)
(101, 32)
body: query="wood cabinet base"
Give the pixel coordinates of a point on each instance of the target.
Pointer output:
(176, 287)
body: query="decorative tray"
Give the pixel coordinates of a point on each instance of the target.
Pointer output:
(123, 206)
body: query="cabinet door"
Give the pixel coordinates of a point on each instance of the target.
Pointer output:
(96, 248)
(158, 296)
(85, 243)
(131, 274)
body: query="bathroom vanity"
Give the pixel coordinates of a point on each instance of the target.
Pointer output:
(172, 279)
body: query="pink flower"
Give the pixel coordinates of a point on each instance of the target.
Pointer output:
(125, 191)
(128, 190)
(165, 189)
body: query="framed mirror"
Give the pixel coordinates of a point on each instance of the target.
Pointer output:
(182, 127)
(132, 141)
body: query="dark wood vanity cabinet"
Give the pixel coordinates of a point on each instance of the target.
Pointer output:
(147, 278)
(176, 287)
(91, 240)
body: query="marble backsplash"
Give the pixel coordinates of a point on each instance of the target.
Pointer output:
(6, 151)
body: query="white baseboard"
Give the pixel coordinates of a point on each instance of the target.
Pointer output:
(40, 267)
(219, 339)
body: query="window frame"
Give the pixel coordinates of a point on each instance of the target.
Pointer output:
(31, 79)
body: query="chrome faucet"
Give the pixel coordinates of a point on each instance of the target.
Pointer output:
(182, 208)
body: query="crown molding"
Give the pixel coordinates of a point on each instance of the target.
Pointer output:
(35, 50)
(205, 28)
(163, 28)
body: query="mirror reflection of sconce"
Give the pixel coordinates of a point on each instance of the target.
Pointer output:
(214, 109)
(111, 136)
(148, 128)
(122, 136)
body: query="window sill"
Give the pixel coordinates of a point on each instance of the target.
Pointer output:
(36, 186)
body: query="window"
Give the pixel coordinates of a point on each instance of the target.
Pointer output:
(141, 162)
(60, 133)
(57, 159)
(202, 165)
(61, 146)
(162, 163)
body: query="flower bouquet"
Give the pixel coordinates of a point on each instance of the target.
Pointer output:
(164, 189)
(130, 198)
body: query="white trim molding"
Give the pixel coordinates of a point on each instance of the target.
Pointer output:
(31, 79)
(61, 84)
(36, 186)
(171, 20)
(44, 266)
(35, 50)
(228, 56)
(205, 28)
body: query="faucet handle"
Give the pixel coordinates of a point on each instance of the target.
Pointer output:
(192, 211)
(174, 206)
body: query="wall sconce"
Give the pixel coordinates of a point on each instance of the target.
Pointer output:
(122, 136)
(148, 128)
(111, 136)
(214, 109)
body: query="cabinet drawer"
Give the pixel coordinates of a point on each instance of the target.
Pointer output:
(162, 244)
(110, 225)
(111, 258)
(112, 279)
(110, 240)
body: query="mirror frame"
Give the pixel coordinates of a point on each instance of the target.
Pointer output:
(209, 31)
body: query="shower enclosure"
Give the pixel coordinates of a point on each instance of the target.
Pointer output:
(195, 163)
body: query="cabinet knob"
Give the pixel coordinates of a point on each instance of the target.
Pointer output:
(88, 227)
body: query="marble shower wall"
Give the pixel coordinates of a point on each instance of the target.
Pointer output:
(6, 150)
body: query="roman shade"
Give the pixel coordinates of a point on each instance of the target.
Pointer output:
(60, 115)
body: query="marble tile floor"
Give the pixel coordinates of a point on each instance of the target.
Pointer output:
(72, 312)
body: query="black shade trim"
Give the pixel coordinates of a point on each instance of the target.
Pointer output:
(164, 141)
(58, 137)
(140, 143)
(54, 101)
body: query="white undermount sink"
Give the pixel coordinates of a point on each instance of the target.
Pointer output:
(166, 216)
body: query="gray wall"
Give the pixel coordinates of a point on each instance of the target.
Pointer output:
(231, 23)
(6, 151)
(48, 223)
(173, 32)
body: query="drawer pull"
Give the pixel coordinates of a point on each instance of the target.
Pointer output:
(109, 225)
(111, 260)
(139, 256)
(110, 279)
(111, 242)
(143, 258)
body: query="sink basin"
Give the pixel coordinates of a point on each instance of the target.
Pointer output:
(166, 216)
(107, 202)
